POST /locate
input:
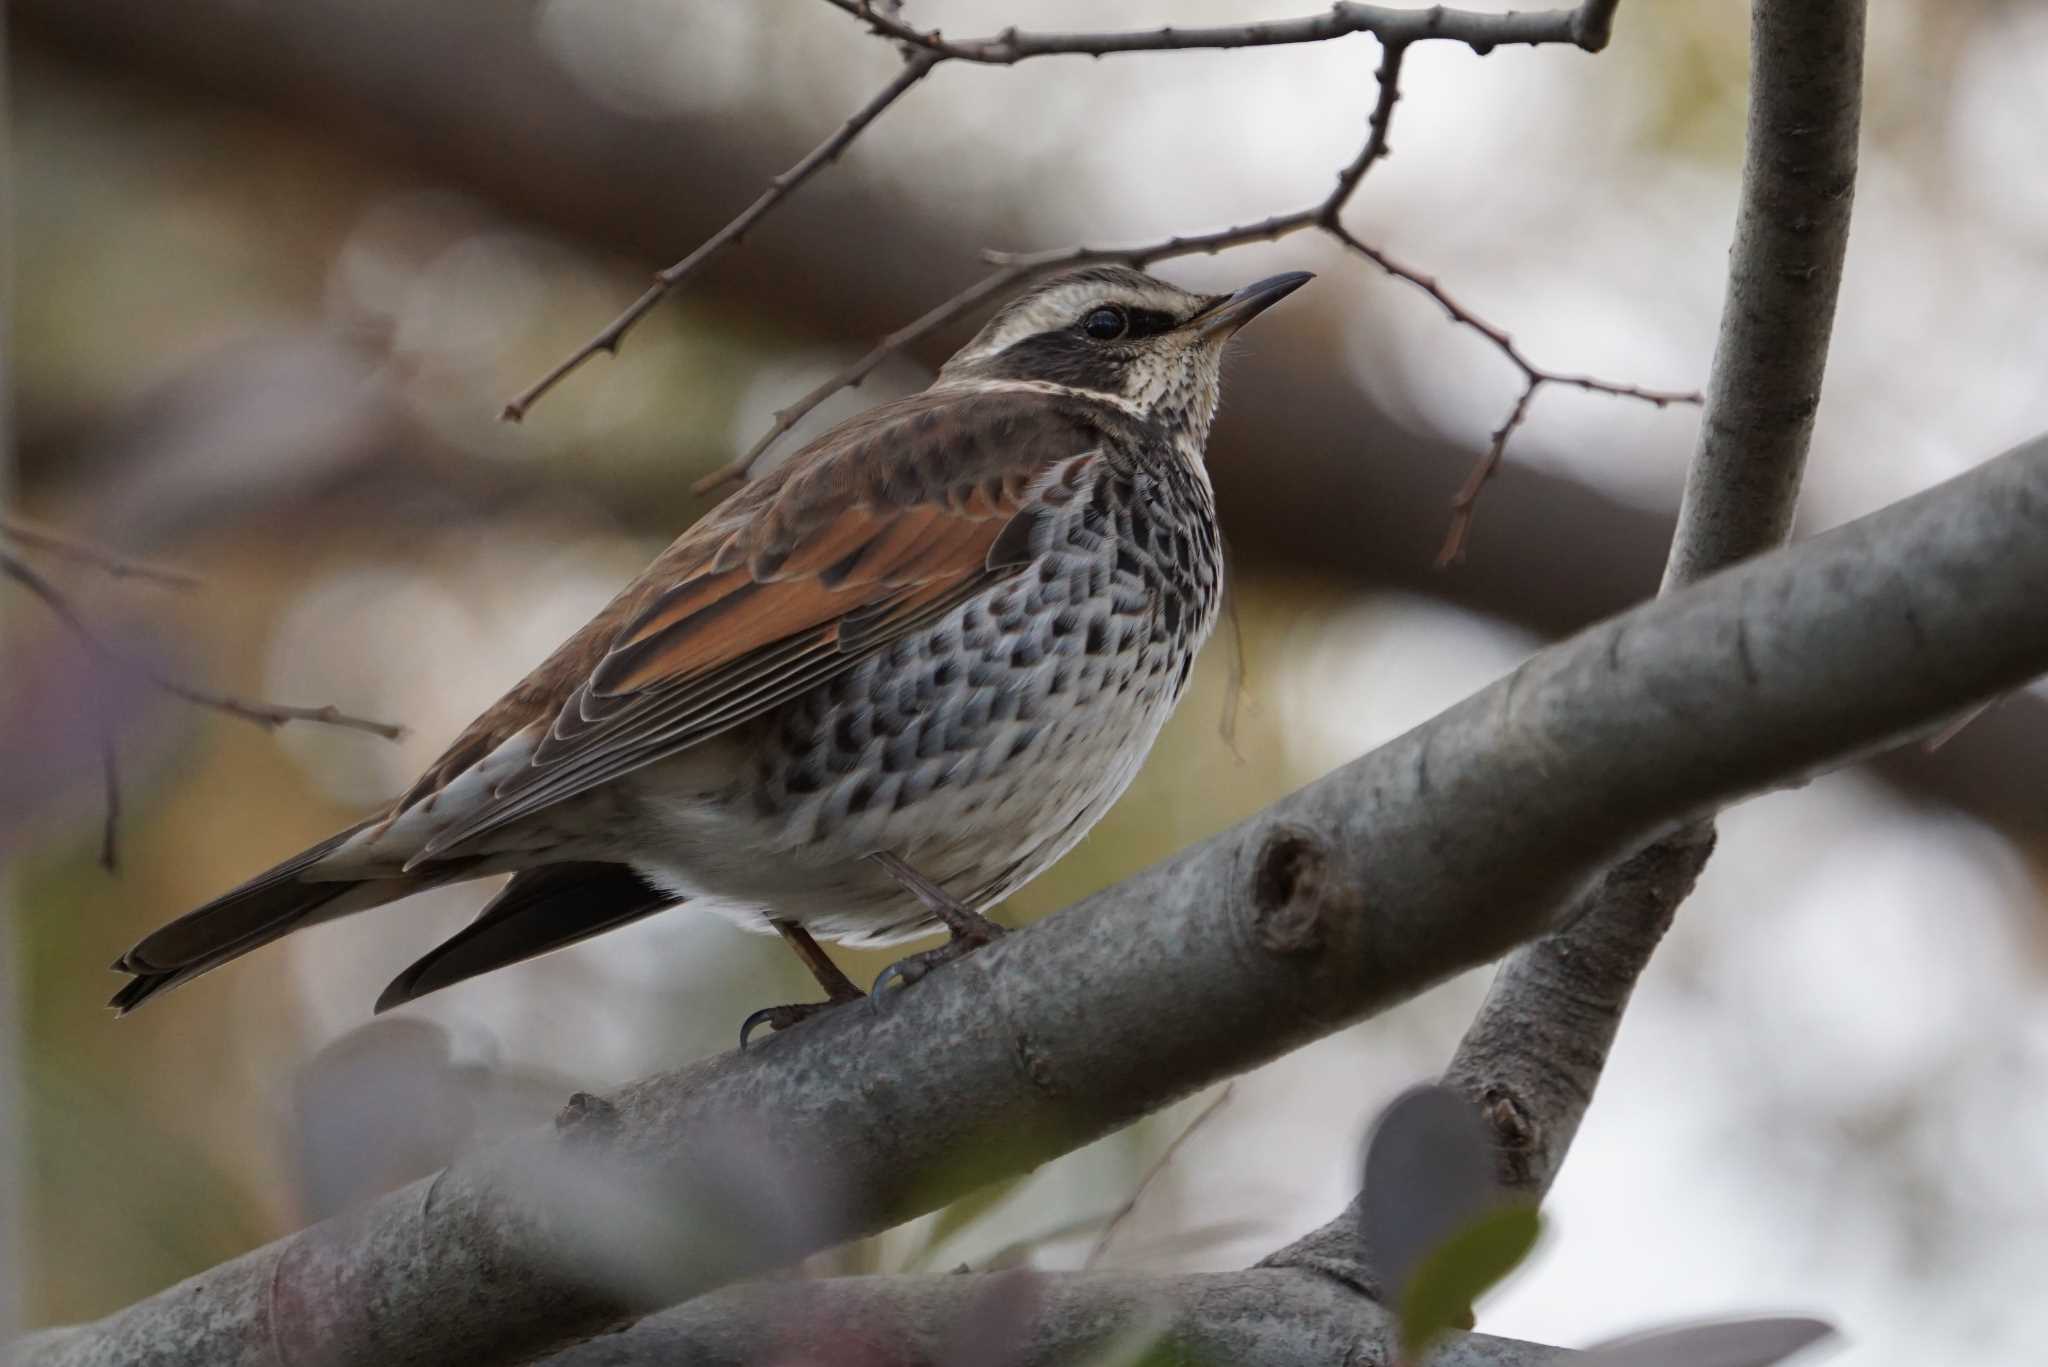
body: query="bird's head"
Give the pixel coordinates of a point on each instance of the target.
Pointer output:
(1116, 334)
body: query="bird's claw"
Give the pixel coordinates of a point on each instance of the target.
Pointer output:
(904, 972)
(780, 1018)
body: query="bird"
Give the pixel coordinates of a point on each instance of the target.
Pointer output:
(873, 692)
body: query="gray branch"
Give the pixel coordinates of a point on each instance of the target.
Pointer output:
(1534, 1054)
(1432, 854)
(1785, 271)
(1275, 1318)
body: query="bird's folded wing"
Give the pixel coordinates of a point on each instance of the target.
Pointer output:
(881, 528)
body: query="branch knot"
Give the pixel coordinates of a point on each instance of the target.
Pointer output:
(1291, 892)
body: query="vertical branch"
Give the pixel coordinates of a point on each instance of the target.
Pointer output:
(1785, 271)
(1534, 1053)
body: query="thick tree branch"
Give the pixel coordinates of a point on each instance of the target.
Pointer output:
(1434, 853)
(1533, 1055)
(1268, 1317)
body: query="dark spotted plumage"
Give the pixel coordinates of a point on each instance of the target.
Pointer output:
(945, 634)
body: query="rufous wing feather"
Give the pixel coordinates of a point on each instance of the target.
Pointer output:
(818, 564)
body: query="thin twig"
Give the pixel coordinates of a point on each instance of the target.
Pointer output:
(1159, 1165)
(1588, 26)
(1534, 377)
(1585, 27)
(1467, 496)
(608, 338)
(265, 714)
(85, 553)
(1016, 267)
(851, 376)
(1477, 30)
(1958, 724)
(110, 788)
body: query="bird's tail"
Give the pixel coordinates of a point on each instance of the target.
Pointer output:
(267, 907)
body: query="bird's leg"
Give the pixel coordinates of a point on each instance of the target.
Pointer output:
(970, 929)
(839, 988)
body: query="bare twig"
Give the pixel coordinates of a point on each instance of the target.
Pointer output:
(1534, 377)
(226, 703)
(786, 418)
(85, 553)
(1159, 1165)
(110, 801)
(1586, 27)
(1014, 268)
(826, 152)
(270, 715)
(1959, 724)
(265, 714)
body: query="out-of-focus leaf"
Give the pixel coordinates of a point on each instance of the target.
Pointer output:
(377, 1107)
(1721, 1343)
(959, 1215)
(387, 1102)
(1429, 1173)
(1439, 1294)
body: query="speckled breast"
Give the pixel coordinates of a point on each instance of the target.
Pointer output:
(982, 749)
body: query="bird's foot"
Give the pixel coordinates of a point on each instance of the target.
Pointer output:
(971, 930)
(780, 1018)
(904, 972)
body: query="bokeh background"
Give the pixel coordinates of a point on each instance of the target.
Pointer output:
(279, 265)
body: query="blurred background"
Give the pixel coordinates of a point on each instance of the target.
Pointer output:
(279, 266)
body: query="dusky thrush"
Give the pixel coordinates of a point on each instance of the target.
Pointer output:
(877, 689)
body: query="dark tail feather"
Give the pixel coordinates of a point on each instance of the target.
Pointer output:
(267, 907)
(541, 909)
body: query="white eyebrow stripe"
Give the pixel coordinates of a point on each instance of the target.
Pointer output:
(1062, 304)
(1067, 391)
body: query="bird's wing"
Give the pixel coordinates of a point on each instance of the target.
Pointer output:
(880, 527)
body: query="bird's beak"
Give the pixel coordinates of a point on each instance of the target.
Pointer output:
(1249, 302)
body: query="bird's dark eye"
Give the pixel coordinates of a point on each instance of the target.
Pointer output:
(1105, 324)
